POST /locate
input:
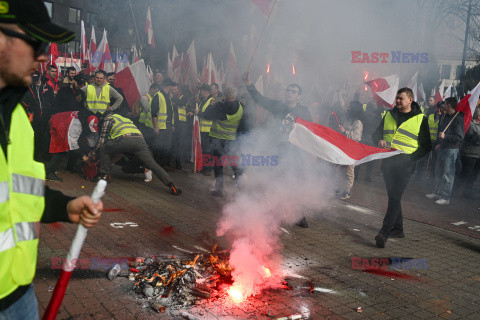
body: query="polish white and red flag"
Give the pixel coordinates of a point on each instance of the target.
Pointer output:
(468, 104)
(189, 67)
(169, 66)
(421, 92)
(334, 147)
(93, 44)
(448, 92)
(438, 94)
(232, 73)
(74, 63)
(264, 6)
(412, 84)
(384, 90)
(134, 81)
(83, 44)
(197, 158)
(176, 63)
(149, 29)
(65, 129)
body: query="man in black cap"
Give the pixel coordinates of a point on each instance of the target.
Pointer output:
(25, 30)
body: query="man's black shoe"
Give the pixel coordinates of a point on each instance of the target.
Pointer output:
(302, 223)
(105, 177)
(174, 190)
(396, 234)
(380, 241)
(53, 177)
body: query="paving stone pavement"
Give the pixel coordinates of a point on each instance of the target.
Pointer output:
(142, 219)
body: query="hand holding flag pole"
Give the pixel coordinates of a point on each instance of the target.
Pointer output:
(70, 263)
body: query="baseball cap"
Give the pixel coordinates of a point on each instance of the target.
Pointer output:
(32, 17)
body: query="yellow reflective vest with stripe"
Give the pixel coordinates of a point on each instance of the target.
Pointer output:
(227, 129)
(404, 137)
(205, 125)
(98, 104)
(162, 111)
(182, 109)
(146, 115)
(433, 126)
(121, 126)
(21, 206)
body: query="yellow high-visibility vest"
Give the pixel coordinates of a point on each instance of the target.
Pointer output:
(404, 137)
(433, 126)
(227, 129)
(162, 111)
(146, 115)
(182, 109)
(98, 104)
(21, 206)
(205, 125)
(121, 126)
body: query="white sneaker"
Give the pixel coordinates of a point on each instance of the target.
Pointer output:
(442, 201)
(148, 176)
(432, 196)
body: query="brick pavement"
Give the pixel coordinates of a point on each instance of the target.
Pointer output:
(448, 289)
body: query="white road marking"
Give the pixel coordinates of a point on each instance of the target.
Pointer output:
(459, 223)
(359, 209)
(120, 225)
(285, 230)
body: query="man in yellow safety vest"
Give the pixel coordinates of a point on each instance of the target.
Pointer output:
(405, 128)
(25, 201)
(100, 94)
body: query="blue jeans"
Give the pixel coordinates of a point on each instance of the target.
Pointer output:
(25, 308)
(445, 172)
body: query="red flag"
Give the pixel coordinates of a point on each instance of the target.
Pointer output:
(264, 6)
(384, 90)
(438, 96)
(65, 129)
(197, 146)
(333, 146)
(468, 104)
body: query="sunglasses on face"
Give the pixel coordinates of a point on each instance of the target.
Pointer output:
(39, 47)
(291, 91)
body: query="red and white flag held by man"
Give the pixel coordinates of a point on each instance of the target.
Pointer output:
(384, 90)
(149, 29)
(333, 146)
(65, 129)
(134, 81)
(83, 44)
(197, 145)
(93, 44)
(468, 104)
(189, 67)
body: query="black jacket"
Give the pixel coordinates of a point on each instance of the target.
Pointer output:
(424, 141)
(38, 100)
(454, 133)
(279, 109)
(69, 99)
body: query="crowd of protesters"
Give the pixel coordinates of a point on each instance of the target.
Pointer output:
(163, 118)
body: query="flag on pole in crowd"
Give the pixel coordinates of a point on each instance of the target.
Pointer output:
(176, 63)
(384, 90)
(102, 58)
(412, 84)
(209, 70)
(264, 5)
(52, 57)
(169, 66)
(74, 63)
(333, 146)
(421, 92)
(232, 73)
(448, 92)
(83, 44)
(134, 81)
(468, 104)
(121, 62)
(204, 71)
(65, 129)
(149, 29)
(135, 56)
(93, 44)
(189, 66)
(438, 95)
(197, 145)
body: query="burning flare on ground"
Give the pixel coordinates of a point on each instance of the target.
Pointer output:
(268, 69)
(366, 76)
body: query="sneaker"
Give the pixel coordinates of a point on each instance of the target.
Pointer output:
(442, 201)
(53, 177)
(345, 195)
(396, 234)
(174, 190)
(217, 193)
(302, 223)
(148, 176)
(380, 241)
(432, 196)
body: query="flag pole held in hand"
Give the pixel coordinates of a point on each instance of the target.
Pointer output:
(70, 263)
